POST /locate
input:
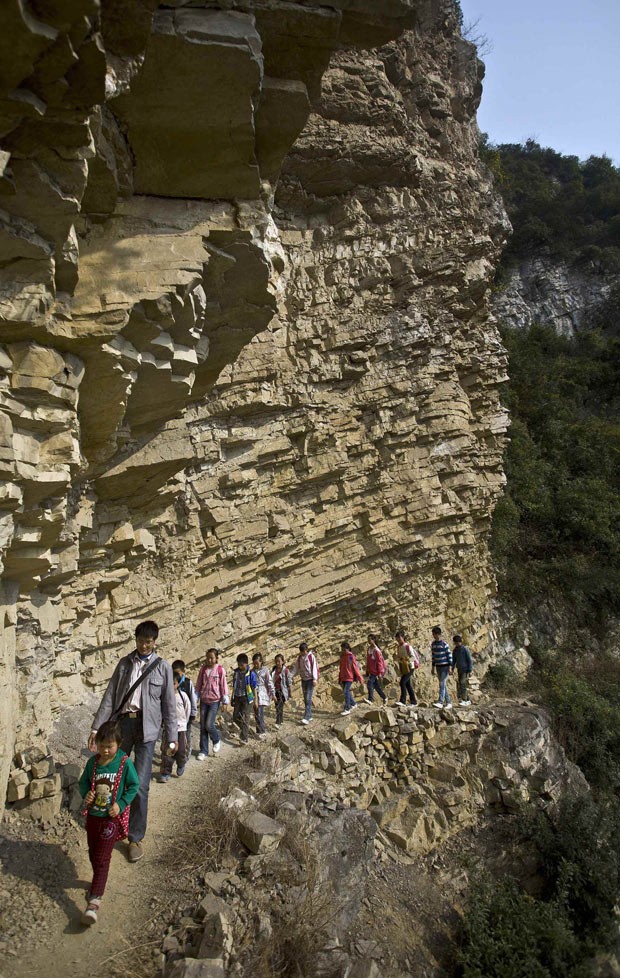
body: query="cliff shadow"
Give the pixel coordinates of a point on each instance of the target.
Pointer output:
(49, 869)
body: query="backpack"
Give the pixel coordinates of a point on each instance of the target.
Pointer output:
(414, 661)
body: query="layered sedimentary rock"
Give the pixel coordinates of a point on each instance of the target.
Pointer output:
(249, 384)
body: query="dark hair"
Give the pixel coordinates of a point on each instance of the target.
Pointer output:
(280, 656)
(147, 629)
(303, 647)
(242, 659)
(372, 638)
(108, 731)
(457, 638)
(436, 630)
(345, 646)
(178, 665)
(177, 675)
(215, 652)
(399, 634)
(256, 656)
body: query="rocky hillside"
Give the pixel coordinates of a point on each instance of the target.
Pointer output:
(250, 386)
(562, 266)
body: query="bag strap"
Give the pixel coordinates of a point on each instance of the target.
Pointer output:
(117, 779)
(135, 685)
(84, 810)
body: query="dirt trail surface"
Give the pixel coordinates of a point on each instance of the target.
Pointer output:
(45, 875)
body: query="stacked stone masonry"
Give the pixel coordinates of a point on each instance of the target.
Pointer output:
(248, 379)
(384, 781)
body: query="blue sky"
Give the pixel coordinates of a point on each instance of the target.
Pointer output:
(553, 73)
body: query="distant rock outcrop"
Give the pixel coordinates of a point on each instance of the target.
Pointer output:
(545, 291)
(249, 383)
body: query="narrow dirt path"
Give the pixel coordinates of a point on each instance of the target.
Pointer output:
(44, 878)
(46, 882)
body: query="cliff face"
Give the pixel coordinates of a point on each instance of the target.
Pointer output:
(249, 381)
(548, 292)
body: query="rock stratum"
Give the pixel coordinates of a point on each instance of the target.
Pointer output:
(249, 379)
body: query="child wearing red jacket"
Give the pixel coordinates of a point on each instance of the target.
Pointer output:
(348, 673)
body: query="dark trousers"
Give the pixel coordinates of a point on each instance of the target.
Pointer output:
(167, 760)
(208, 713)
(259, 715)
(188, 739)
(101, 833)
(462, 685)
(280, 701)
(241, 711)
(131, 731)
(374, 683)
(406, 686)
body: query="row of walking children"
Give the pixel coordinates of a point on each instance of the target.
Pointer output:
(110, 782)
(349, 672)
(253, 689)
(443, 663)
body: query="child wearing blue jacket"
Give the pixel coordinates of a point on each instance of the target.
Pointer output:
(463, 664)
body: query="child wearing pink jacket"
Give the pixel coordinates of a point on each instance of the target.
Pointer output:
(211, 689)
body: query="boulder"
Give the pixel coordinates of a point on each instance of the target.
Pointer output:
(194, 968)
(217, 937)
(43, 768)
(45, 787)
(258, 832)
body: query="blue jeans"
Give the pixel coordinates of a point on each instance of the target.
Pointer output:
(374, 683)
(442, 675)
(131, 732)
(208, 713)
(406, 686)
(349, 702)
(307, 688)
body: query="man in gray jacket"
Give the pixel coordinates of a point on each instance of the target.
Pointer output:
(140, 717)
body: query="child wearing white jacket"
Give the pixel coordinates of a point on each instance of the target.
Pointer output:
(264, 692)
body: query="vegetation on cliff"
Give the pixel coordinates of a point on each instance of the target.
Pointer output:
(556, 543)
(557, 528)
(558, 205)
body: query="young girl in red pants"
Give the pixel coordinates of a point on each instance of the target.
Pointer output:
(108, 785)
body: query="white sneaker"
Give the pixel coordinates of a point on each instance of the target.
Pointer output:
(465, 703)
(216, 747)
(344, 713)
(366, 700)
(354, 707)
(202, 757)
(278, 725)
(305, 722)
(90, 914)
(438, 705)
(448, 706)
